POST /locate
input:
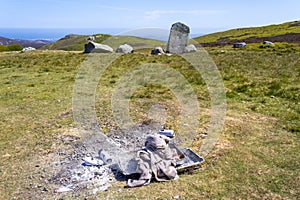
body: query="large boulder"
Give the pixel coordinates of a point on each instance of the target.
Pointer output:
(157, 51)
(93, 47)
(125, 48)
(190, 48)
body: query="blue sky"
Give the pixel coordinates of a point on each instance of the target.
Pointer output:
(201, 15)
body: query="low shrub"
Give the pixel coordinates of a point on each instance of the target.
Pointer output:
(12, 47)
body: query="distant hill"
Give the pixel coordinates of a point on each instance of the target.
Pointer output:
(286, 32)
(74, 42)
(24, 43)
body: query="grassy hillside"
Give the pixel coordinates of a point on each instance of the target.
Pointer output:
(257, 156)
(287, 32)
(135, 42)
(76, 42)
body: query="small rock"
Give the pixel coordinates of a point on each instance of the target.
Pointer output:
(190, 48)
(98, 174)
(157, 51)
(203, 135)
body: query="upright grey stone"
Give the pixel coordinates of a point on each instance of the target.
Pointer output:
(178, 38)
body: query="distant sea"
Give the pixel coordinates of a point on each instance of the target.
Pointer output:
(51, 34)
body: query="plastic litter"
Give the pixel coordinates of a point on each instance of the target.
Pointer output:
(63, 189)
(90, 161)
(168, 133)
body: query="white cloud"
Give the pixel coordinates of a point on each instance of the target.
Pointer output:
(156, 14)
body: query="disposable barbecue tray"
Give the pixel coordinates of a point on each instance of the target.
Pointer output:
(189, 160)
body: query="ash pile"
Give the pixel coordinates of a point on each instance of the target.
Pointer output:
(91, 165)
(143, 154)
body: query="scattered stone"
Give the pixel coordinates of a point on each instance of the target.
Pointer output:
(239, 45)
(157, 51)
(268, 43)
(93, 47)
(125, 48)
(178, 38)
(27, 49)
(190, 48)
(90, 38)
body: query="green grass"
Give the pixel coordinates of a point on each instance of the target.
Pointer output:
(136, 42)
(244, 33)
(257, 156)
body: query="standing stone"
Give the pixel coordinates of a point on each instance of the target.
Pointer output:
(178, 38)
